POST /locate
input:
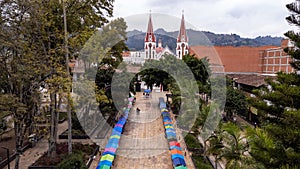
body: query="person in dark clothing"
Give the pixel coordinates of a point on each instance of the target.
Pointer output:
(138, 110)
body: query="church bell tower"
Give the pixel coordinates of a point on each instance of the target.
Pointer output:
(182, 47)
(150, 41)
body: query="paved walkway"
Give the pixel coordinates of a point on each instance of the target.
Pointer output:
(143, 144)
(32, 154)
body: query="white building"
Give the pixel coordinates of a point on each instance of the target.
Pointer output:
(153, 51)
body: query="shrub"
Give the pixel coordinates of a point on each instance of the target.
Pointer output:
(192, 141)
(74, 161)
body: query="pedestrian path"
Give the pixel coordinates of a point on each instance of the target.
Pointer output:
(33, 154)
(143, 144)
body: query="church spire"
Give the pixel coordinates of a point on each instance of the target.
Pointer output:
(182, 40)
(150, 41)
(182, 37)
(150, 34)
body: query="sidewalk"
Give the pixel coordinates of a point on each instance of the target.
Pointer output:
(143, 144)
(32, 154)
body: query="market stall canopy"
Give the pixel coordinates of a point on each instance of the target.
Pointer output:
(177, 156)
(168, 122)
(105, 162)
(103, 167)
(107, 157)
(178, 162)
(167, 119)
(119, 125)
(112, 145)
(114, 132)
(174, 143)
(175, 147)
(181, 167)
(118, 128)
(110, 149)
(168, 125)
(147, 90)
(115, 136)
(174, 151)
(109, 152)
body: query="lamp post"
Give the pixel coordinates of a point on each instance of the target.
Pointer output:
(7, 153)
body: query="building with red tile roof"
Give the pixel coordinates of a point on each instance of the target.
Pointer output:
(245, 59)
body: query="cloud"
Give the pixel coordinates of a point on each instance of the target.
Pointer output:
(246, 18)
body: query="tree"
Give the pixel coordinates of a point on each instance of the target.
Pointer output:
(215, 147)
(262, 147)
(294, 20)
(235, 102)
(280, 130)
(200, 69)
(32, 36)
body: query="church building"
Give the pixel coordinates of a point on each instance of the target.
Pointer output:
(153, 49)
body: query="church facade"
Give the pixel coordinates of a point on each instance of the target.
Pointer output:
(153, 49)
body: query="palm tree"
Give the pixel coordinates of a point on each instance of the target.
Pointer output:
(262, 147)
(215, 147)
(235, 150)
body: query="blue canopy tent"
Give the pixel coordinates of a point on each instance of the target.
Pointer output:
(112, 145)
(170, 130)
(103, 167)
(113, 140)
(175, 147)
(168, 125)
(122, 120)
(165, 111)
(114, 132)
(167, 119)
(177, 156)
(178, 162)
(180, 167)
(108, 152)
(147, 90)
(165, 115)
(118, 128)
(171, 134)
(105, 162)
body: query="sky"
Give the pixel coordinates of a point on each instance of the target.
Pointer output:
(247, 18)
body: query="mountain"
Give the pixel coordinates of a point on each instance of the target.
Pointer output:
(136, 39)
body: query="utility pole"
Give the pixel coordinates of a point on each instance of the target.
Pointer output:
(68, 74)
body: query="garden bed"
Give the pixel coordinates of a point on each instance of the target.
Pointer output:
(80, 156)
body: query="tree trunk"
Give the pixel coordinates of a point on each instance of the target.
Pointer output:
(69, 126)
(53, 129)
(19, 132)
